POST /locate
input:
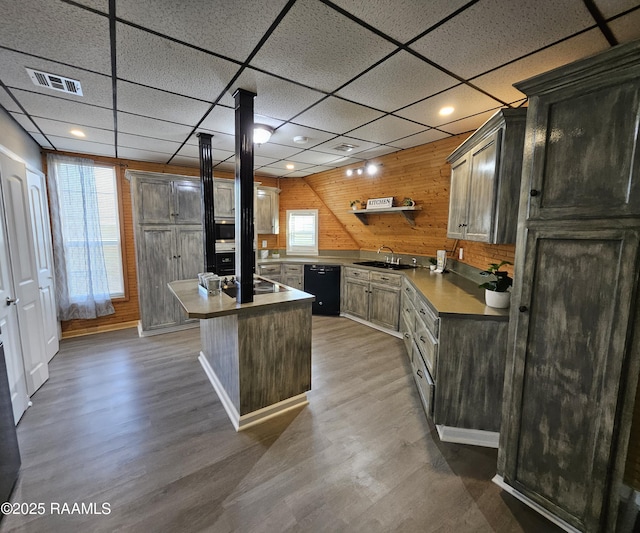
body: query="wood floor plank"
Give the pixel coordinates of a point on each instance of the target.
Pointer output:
(134, 422)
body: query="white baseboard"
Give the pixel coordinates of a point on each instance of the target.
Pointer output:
(477, 437)
(255, 417)
(372, 325)
(499, 480)
(162, 331)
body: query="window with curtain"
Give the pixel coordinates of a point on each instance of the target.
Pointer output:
(86, 229)
(302, 232)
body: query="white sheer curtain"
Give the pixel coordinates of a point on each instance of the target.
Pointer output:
(82, 289)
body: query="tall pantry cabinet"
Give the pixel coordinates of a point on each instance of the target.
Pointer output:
(574, 356)
(168, 236)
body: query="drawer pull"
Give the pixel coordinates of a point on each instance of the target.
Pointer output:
(422, 312)
(419, 372)
(384, 279)
(423, 339)
(407, 336)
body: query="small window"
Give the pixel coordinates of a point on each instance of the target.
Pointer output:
(302, 232)
(71, 197)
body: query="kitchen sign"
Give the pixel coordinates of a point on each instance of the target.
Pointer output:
(380, 203)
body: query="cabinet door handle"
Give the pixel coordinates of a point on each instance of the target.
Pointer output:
(523, 308)
(407, 336)
(419, 372)
(422, 312)
(422, 339)
(534, 192)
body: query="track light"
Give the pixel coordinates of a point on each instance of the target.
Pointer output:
(370, 168)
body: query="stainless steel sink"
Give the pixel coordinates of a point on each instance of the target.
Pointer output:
(383, 264)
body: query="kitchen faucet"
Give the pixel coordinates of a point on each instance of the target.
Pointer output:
(382, 248)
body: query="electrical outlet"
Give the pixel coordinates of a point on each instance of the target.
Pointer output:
(461, 254)
(264, 244)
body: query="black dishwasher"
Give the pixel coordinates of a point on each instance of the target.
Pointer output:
(323, 281)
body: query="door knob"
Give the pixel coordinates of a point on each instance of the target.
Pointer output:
(12, 300)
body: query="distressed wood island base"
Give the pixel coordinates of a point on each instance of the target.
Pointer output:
(257, 355)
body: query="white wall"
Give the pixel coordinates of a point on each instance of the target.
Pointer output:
(18, 141)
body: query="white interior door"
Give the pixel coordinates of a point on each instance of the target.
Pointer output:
(41, 229)
(9, 330)
(23, 270)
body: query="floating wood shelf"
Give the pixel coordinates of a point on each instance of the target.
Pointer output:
(407, 212)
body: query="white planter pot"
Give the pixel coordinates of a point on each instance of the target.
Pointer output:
(499, 300)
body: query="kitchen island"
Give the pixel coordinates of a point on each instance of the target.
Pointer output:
(257, 355)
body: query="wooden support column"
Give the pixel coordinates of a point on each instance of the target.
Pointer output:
(207, 203)
(245, 256)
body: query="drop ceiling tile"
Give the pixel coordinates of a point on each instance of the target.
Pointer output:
(96, 88)
(424, 137)
(268, 171)
(337, 116)
(41, 140)
(465, 101)
(62, 129)
(379, 151)
(27, 124)
(341, 48)
(500, 82)
(66, 144)
(469, 123)
(57, 31)
(178, 68)
(312, 157)
(406, 20)
(276, 151)
(186, 161)
(228, 27)
(610, 8)
(222, 119)
(626, 28)
(7, 102)
(100, 5)
(153, 103)
(261, 161)
(143, 155)
(151, 127)
(285, 134)
(282, 165)
(126, 140)
(275, 97)
(496, 32)
(299, 174)
(387, 129)
(399, 81)
(40, 105)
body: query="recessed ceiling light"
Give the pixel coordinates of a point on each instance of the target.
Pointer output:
(77, 133)
(290, 166)
(446, 111)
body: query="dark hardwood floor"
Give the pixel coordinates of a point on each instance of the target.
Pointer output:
(135, 424)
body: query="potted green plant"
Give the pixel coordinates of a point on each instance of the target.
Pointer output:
(496, 292)
(355, 204)
(408, 202)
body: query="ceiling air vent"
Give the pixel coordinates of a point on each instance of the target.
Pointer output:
(344, 147)
(55, 82)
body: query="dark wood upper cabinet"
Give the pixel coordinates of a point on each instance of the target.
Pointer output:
(485, 180)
